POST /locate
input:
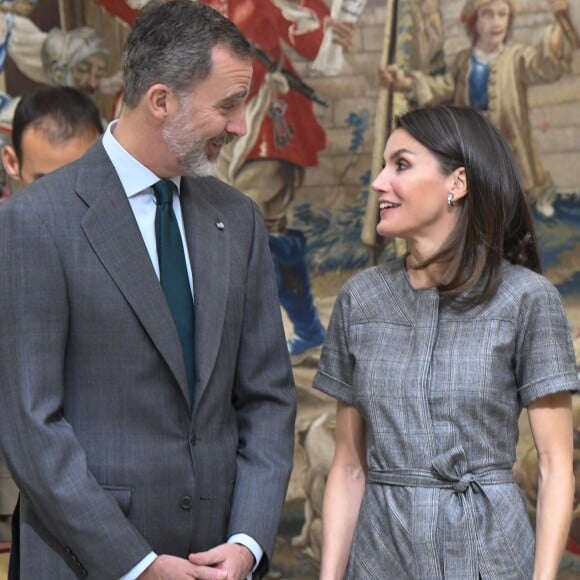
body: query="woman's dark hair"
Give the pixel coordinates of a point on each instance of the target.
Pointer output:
(495, 221)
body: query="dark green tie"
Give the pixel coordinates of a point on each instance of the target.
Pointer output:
(173, 275)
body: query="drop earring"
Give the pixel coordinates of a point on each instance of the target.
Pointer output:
(450, 201)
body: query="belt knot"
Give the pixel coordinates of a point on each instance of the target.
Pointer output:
(461, 485)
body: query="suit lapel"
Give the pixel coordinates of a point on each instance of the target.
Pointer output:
(207, 234)
(112, 232)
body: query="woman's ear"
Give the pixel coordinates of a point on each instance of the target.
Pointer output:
(458, 184)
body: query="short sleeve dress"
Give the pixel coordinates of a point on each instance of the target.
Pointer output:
(441, 391)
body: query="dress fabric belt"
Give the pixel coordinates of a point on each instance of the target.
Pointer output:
(464, 553)
(425, 478)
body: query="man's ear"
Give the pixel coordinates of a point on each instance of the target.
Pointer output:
(458, 184)
(161, 101)
(10, 162)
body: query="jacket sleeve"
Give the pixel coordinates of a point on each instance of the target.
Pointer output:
(41, 449)
(265, 403)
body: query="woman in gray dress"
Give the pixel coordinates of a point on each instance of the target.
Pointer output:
(432, 358)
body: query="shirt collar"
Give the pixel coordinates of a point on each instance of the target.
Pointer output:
(134, 176)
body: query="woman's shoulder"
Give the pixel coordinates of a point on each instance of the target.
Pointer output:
(375, 293)
(525, 284)
(383, 274)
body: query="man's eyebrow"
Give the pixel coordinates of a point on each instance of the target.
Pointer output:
(239, 96)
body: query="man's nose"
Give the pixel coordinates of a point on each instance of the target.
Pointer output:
(237, 124)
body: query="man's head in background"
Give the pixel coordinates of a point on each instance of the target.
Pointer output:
(52, 126)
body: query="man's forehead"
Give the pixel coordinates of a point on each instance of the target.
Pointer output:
(49, 129)
(40, 148)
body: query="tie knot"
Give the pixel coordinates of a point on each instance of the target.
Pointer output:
(164, 190)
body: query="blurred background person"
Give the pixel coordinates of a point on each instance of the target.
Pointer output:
(52, 126)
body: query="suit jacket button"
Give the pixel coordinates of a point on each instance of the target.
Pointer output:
(185, 503)
(193, 439)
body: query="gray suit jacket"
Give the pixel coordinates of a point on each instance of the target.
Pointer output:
(110, 458)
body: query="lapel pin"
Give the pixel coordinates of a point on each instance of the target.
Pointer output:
(220, 225)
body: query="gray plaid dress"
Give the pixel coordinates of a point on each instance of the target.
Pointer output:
(441, 391)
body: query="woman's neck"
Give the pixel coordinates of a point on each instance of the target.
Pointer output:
(428, 277)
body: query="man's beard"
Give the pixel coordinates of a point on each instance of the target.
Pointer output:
(189, 148)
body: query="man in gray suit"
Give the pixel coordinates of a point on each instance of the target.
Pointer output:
(126, 468)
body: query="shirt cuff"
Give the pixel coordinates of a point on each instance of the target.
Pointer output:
(136, 571)
(252, 545)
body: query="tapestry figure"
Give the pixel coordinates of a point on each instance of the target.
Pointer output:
(493, 75)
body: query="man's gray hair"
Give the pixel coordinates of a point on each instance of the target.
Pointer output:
(171, 43)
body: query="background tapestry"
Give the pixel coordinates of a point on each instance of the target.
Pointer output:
(78, 42)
